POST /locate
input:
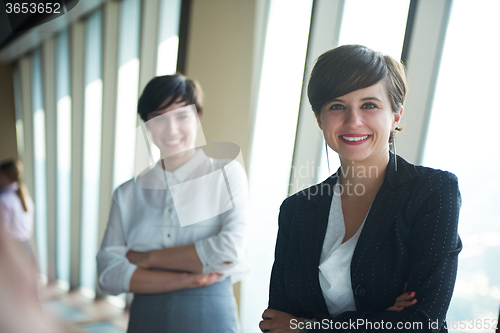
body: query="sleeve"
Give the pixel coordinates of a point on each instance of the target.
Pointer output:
(6, 218)
(5, 214)
(225, 252)
(113, 268)
(278, 298)
(435, 246)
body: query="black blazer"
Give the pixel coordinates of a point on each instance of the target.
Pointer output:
(410, 236)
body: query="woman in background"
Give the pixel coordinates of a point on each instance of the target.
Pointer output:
(375, 246)
(180, 274)
(16, 206)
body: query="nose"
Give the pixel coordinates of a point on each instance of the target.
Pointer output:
(171, 127)
(353, 118)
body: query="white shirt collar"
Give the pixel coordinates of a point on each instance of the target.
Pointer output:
(184, 172)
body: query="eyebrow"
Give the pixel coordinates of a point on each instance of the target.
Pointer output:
(371, 98)
(363, 99)
(158, 112)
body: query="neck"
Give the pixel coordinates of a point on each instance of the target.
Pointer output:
(172, 163)
(366, 175)
(9, 184)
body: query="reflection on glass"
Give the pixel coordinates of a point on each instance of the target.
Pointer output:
(461, 140)
(205, 193)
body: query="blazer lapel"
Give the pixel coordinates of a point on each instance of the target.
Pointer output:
(385, 207)
(315, 214)
(315, 208)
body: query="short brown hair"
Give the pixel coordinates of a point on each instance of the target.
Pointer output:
(162, 87)
(347, 68)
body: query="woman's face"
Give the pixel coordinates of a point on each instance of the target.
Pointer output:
(174, 129)
(357, 125)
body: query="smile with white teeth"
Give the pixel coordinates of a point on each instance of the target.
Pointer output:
(354, 138)
(174, 142)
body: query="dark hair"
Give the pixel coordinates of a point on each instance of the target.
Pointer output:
(172, 87)
(13, 172)
(347, 68)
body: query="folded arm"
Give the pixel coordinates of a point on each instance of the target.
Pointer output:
(145, 281)
(221, 253)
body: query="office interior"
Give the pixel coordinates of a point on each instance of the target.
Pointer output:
(69, 91)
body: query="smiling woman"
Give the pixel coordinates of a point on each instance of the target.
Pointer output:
(180, 272)
(383, 256)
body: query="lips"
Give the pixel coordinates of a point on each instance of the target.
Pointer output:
(173, 142)
(354, 139)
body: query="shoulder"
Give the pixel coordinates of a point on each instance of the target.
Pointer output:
(125, 190)
(4, 202)
(435, 174)
(234, 170)
(432, 188)
(230, 166)
(430, 179)
(419, 176)
(6, 199)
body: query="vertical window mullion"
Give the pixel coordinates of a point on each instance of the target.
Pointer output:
(110, 21)
(77, 46)
(49, 94)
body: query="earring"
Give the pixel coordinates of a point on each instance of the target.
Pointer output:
(327, 159)
(393, 144)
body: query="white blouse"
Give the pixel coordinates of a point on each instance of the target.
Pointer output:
(335, 260)
(144, 219)
(17, 222)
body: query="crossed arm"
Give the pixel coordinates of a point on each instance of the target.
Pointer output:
(167, 269)
(180, 258)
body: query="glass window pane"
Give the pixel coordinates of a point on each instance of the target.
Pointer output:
(19, 117)
(91, 149)
(168, 37)
(460, 141)
(272, 146)
(40, 164)
(63, 156)
(127, 92)
(379, 25)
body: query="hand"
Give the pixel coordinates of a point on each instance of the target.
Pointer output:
(403, 301)
(141, 259)
(277, 321)
(203, 280)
